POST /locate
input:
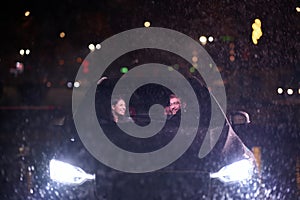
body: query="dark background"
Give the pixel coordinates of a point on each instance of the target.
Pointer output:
(251, 80)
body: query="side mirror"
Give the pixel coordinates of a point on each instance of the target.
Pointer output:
(239, 118)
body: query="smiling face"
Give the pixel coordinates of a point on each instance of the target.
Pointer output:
(119, 108)
(175, 105)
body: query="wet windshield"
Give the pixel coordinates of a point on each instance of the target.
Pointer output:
(150, 99)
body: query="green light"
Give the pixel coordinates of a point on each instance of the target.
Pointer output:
(227, 38)
(192, 69)
(124, 70)
(170, 68)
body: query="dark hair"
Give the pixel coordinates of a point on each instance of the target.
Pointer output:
(116, 100)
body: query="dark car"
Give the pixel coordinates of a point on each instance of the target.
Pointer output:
(188, 177)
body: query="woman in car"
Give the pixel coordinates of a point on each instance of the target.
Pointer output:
(118, 109)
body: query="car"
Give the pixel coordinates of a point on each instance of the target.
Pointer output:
(230, 166)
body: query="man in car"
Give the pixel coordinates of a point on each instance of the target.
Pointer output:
(175, 104)
(185, 178)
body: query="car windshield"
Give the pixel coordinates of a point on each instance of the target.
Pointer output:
(150, 99)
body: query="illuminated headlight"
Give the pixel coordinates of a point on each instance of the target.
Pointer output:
(68, 174)
(237, 171)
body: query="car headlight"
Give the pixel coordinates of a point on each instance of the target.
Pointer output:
(237, 171)
(68, 174)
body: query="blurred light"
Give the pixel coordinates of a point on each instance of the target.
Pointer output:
(61, 62)
(298, 9)
(69, 84)
(203, 40)
(27, 13)
(85, 65)
(91, 47)
(195, 59)
(227, 38)
(78, 59)
(192, 69)
(68, 174)
(22, 52)
(280, 91)
(210, 38)
(257, 154)
(135, 61)
(256, 32)
(19, 68)
(290, 91)
(48, 84)
(147, 24)
(124, 70)
(62, 34)
(27, 52)
(76, 84)
(176, 66)
(170, 68)
(231, 52)
(299, 91)
(98, 46)
(258, 22)
(237, 171)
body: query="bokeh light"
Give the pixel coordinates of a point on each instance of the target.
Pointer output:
(124, 70)
(61, 62)
(27, 13)
(290, 91)
(62, 34)
(195, 59)
(279, 90)
(192, 69)
(79, 60)
(69, 84)
(98, 46)
(48, 84)
(147, 24)
(27, 52)
(257, 32)
(92, 47)
(203, 40)
(22, 52)
(76, 84)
